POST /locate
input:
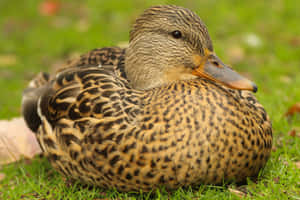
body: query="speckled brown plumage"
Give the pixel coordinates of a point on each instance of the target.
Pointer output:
(94, 126)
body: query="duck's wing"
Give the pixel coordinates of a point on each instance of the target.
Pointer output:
(111, 59)
(81, 107)
(83, 92)
(110, 56)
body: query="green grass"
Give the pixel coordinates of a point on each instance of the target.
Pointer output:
(37, 43)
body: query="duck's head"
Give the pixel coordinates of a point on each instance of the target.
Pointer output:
(170, 43)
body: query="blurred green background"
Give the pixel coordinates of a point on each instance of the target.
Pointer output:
(260, 39)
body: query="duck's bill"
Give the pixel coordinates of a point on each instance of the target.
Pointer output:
(214, 69)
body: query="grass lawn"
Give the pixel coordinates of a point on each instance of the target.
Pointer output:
(260, 39)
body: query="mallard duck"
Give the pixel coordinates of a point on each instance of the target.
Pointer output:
(164, 112)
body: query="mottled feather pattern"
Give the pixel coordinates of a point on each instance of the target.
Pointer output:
(95, 127)
(105, 133)
(113, 56)
(183, 17)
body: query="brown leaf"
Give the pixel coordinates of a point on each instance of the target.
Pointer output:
(237, 192)
(49, 7)
(292, 133)
(279, 142)
(294, 109)
(276, 179)
(298, 164)
(274, 149)
(30, 196)
(295, 41)
(16, 141)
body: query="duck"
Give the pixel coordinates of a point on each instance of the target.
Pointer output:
(163, 112)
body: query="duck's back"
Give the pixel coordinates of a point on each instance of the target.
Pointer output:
(95, 128)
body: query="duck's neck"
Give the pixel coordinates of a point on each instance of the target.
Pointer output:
(141, 65)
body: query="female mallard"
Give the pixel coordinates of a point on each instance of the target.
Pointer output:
(159, 113)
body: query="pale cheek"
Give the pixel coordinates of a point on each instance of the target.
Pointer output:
(188, 77)
(179, 76)
(178, 73)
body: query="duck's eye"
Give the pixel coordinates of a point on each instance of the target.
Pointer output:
(176, 34)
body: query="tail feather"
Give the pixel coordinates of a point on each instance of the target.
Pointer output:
(31, 95)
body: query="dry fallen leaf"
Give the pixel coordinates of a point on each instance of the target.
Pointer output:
(276, 179)
(294, 109)
(16, 141)
(279, 141)
(30, 196)
(295, 41)
(292, 133)
(298, 164)
(237, 192)
(49, 7)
